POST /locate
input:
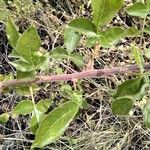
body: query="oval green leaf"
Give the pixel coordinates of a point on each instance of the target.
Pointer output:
(77, 59)
(111, 36)
(122, 106)
(83, 26)
(24, 107)
(105, 10)
(71, 39)
(28, 44)
(54, 125)
(129, 88)
(4, 118)
(138, 9)
(43, 105)
(59, 53)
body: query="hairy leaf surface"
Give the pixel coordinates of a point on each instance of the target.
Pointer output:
(83, 26)
(122, 106)
(111, 36)
(24, 107)
(71, 39)
(28, 44)
(105, 10)
(138, 9)
(77, 59)
(129, 88)
(12, 33)
(54, 125)
(59, 53)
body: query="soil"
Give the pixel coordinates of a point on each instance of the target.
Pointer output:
(101, 120)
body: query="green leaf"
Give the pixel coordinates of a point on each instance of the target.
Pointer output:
(4, 118)
(59, 53)
(146, 113)
(39, 61)
(122, 106)
(12, 33)
(147, 4)
(77, 59)
(34, 124)
(25, 75)
(138, 57)
(28, 44)
(111, 36)
(76, 96)
(129, 88)
(24, 107)
(27, 47)
(66, 90)
(105, 10)
(54, 125)
(133, 32)
(71, 39)
(23, 66)
(14, 54)
(91, 41)
(83, 26)
(43, 105)
(147, 30)
(24, 90)
(138, 9)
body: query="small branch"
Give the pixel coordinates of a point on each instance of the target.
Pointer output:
(78, 75)
(18, 139)
(95, 54)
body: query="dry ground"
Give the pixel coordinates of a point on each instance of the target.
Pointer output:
(96, 128)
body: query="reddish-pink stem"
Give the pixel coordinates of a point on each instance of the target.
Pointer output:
(78, 75)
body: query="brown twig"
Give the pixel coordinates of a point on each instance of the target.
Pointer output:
(95, 54)
(78, 75)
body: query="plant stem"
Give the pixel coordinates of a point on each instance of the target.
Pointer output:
(35, 110)
(77, 75)
(95, 55)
